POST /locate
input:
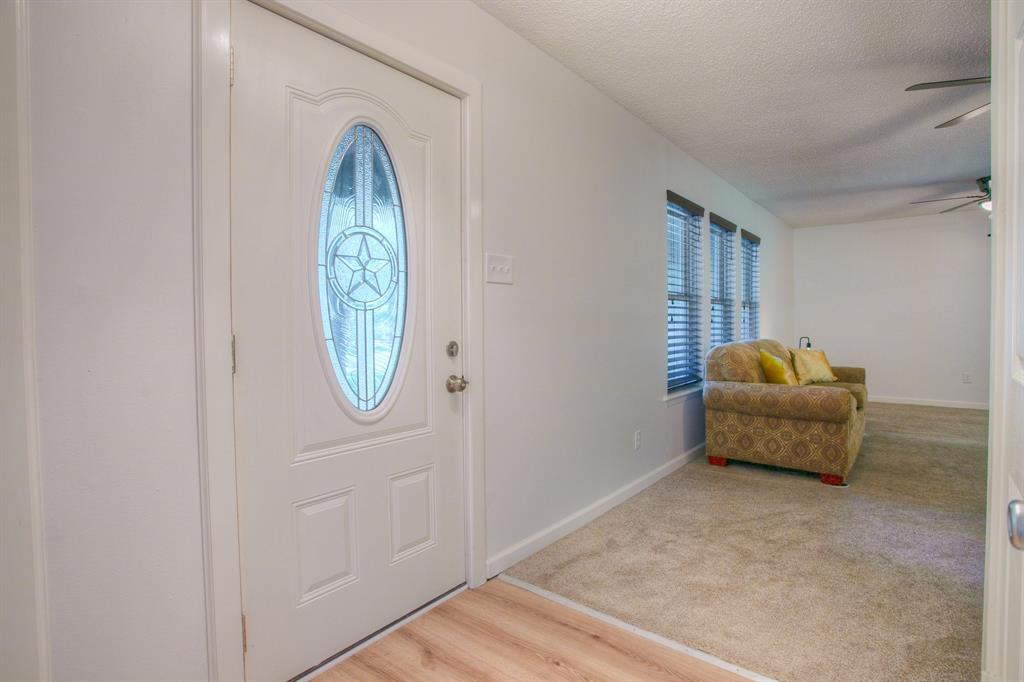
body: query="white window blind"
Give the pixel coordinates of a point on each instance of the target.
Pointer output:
(750, 313)
(684, 293)
(723, 281)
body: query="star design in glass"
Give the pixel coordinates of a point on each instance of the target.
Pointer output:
(365, 267)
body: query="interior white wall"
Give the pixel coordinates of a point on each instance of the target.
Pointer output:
(112, 202)
(907, 299)
(574, 190)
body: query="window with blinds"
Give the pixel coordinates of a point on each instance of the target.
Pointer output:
(750, 311)
(722, 281)
(684, 294)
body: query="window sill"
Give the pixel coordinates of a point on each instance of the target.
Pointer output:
(684, 392)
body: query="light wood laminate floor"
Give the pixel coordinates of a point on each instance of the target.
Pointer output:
(503, 632)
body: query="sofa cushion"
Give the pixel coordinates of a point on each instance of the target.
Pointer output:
(812, 366)
(806, 403)
(859, 391)
(851, 375)
(734, 362)
(775, 348)
(775, 370)
(741, 361)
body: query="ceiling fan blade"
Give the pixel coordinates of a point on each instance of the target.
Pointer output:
(950, 84)
(929, 201)
(975, 201)
(964, 117)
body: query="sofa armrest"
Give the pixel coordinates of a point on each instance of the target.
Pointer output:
(850, 375)
(811, 403)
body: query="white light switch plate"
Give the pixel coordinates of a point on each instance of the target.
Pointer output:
(500, 269)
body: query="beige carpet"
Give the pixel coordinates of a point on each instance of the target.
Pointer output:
(773, 571)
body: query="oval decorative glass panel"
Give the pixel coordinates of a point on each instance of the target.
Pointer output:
(362, 268)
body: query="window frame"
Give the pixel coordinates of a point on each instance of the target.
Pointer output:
(750, 287)
(721, 280)
(689, 291)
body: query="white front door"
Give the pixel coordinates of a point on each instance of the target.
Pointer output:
(346, 268)
(1004, 579)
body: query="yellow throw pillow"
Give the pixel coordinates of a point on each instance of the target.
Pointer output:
(811, 366)
(775, 370)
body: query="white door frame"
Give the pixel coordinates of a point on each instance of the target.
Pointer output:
(212, 238)
(1008, 204)
(24, 625)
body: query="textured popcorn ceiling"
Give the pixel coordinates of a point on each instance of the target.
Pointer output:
(798, 103)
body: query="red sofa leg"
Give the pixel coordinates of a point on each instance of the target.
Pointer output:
(831, 479)
(717, 461)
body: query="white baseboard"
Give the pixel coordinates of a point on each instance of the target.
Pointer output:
(541, 539)
(927, 403)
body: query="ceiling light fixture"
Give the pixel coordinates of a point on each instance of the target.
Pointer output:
(987, 205)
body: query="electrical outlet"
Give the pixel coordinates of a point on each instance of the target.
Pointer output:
(965, 378)
(636, 440)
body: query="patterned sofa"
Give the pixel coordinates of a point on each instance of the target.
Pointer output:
(815, 428)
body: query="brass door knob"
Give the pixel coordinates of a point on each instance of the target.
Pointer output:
(456, 384)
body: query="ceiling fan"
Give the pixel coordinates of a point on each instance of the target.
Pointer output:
(984, 186)
(953, 84)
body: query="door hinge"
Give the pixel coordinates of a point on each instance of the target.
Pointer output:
(245, 639)
(234, 363)
(231, 66)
